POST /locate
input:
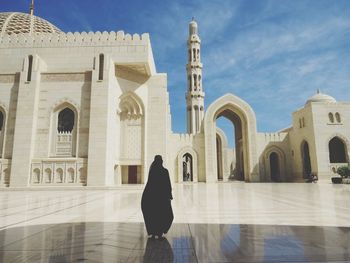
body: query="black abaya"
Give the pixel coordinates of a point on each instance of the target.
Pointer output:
(156, 201)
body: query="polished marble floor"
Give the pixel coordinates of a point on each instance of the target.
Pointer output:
(224, 222)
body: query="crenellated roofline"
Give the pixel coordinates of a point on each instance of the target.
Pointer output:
(73, 39)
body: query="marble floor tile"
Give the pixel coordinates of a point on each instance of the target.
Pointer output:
(224, 222)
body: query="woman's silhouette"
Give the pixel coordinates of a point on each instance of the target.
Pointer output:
(156, 200)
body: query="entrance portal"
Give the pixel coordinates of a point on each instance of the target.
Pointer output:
(243, 119)
(236, 121)
(274, 167)
(132, 174)
(337, 151)
(305, 153)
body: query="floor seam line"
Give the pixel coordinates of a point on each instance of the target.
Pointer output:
(194, 249)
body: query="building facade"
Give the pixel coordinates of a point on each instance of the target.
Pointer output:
(90, 109)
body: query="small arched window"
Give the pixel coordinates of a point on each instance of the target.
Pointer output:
(199, 80)
(194, 54)
(331, 117)
(303, 121)
(36, 175)
(300, 124)
(195, 81)
(65, 120)
(337, 117)
(100, 70)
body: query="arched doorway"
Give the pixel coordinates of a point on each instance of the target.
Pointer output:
(337, 151)
(132, 138)
(187, 173)
(305, 155)
(187, 165)
(224, 152)
(275, 164)
(243, 119)
(274, 167)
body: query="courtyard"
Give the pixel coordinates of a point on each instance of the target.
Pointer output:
(221, 222)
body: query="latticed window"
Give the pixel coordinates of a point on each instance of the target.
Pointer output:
(66, 133)
(65, 120)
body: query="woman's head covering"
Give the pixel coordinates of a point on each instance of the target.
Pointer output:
(155, 169)
(158, 160)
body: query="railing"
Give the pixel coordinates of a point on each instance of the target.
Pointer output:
(64, 143)
(61, 171)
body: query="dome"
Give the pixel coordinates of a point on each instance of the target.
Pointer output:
(16, 23)
(320, 97)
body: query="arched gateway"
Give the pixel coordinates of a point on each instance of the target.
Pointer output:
(243, 118)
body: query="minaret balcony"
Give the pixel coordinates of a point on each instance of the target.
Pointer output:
(194, 64)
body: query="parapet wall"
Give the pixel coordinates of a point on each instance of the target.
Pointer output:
(272, 137)
(183, 138)
(73, 39)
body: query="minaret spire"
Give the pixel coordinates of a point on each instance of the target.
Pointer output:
(194, 94)
(31, 9)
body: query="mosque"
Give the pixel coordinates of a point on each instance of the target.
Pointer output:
(90, 109)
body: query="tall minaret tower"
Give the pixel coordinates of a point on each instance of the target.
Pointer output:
(194, 94)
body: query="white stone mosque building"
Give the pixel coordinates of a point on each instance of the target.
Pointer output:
(90, 109)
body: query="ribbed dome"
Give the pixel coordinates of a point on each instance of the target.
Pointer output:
(16, 23)
(320, 97)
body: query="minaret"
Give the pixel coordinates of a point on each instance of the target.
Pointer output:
(31, 9)
(194, 94)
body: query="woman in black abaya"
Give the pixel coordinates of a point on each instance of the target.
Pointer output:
(156, 200)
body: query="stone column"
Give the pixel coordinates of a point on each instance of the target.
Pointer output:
(102, 147)
(26, 122)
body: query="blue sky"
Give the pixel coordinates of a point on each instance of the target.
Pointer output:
(273, 54)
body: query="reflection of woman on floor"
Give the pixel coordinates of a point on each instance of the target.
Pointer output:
(156, 200)
(158, 251)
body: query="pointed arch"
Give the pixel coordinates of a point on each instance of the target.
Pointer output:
(132, 137)
(130, 105)
(305, 159)
(273, 149)
(187, 150)
(236, 110)
(64, 127)
(338, 150)
(65, 102)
